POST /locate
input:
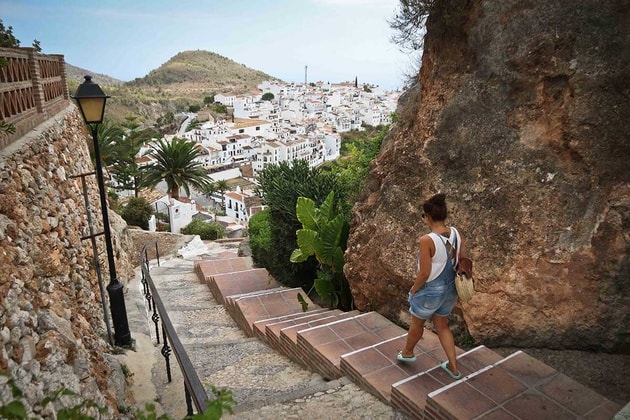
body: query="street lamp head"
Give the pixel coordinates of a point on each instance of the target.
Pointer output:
(91, 100)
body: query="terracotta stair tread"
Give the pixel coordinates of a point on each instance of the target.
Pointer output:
(323, 345)
(376, 368)
(410, 394)
(517, 386)
(239, 282)
(251, 307)
(363, 346)
(209, 267)
(260, 327)
(521, 386)
(288, 334)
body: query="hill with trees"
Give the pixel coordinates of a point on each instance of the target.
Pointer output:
(202, 70)
(185, 80)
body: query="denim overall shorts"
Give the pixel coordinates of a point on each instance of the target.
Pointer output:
(438, 296)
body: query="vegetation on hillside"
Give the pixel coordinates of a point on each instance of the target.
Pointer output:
(272, 233)
(188, 80)
(77, 74)
(201, 68)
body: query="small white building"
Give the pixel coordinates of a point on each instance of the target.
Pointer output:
(225, 99)
(180, 212)
(241, 205)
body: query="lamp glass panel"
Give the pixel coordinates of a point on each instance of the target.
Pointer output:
(93, 109)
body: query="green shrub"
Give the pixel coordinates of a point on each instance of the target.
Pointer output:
(205, 230)
(280, 186)
(260, 242)
(137, 212)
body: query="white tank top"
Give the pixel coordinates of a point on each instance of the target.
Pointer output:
(438, 261)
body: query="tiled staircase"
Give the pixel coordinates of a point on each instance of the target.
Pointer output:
(363, 347)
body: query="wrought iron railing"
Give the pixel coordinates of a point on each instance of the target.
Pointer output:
(193, 388)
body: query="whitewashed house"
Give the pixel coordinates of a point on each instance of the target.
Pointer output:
(239, 205)
(225, 99)
(180, 212)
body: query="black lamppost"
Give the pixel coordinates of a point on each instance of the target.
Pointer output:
(91, 100)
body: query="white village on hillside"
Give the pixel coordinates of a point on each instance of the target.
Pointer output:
(302, 121)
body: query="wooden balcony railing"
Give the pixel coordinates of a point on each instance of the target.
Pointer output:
(33, 88)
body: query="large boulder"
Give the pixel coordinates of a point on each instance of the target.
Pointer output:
(520, 115)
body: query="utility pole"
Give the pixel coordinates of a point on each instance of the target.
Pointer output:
(305, 75)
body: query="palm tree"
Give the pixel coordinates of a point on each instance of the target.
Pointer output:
(110, 135)
(222, 186)
(176, 164)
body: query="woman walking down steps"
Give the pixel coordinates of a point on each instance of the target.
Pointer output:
(433, 294)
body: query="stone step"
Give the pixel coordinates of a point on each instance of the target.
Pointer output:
(260, 326)
(376, 368)
(230, 302)
(239, 282)
(518, 386)
(288, 334)
(252, 307)
(410, 394)
(322, 346)
(212, 266)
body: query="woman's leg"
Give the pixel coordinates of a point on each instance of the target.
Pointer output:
(446, 339)
(415, 334)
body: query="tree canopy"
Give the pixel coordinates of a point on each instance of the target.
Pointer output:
(177, 164)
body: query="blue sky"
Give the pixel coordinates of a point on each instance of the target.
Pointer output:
(125, 39)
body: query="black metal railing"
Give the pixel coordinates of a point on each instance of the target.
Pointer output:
(194, 389)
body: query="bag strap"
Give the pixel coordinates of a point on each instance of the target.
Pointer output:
(459, 245)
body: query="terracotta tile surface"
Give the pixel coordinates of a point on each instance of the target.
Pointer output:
(461, 402)
(206, 268)
(364, 347)
(239, 282)
(332, 340)
(260, 326)
(498, 414)
(527, 369)
(570, 393)
(497, 384)
(273, 326)
(378, 368)
(605, 411)
(290, 333)
(252, 308)
(413, 391)
(381, 380)
(521, 386)
(534, 406)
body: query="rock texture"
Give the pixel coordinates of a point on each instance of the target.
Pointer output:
(520, 116)
(52, 333)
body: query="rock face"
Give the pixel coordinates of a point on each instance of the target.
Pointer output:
(520, 115)
(52, 333)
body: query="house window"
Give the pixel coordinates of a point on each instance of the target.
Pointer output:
(258, 128)
(241, 131)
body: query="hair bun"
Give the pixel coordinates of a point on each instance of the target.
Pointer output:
(439, 199)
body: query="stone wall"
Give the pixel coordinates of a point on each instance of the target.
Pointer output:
(520, 115)
(52, 332)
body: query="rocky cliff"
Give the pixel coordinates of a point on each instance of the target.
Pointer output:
(520, 115)
(52, 333)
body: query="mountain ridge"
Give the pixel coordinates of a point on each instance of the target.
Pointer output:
(185, 79)
(201, 66)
